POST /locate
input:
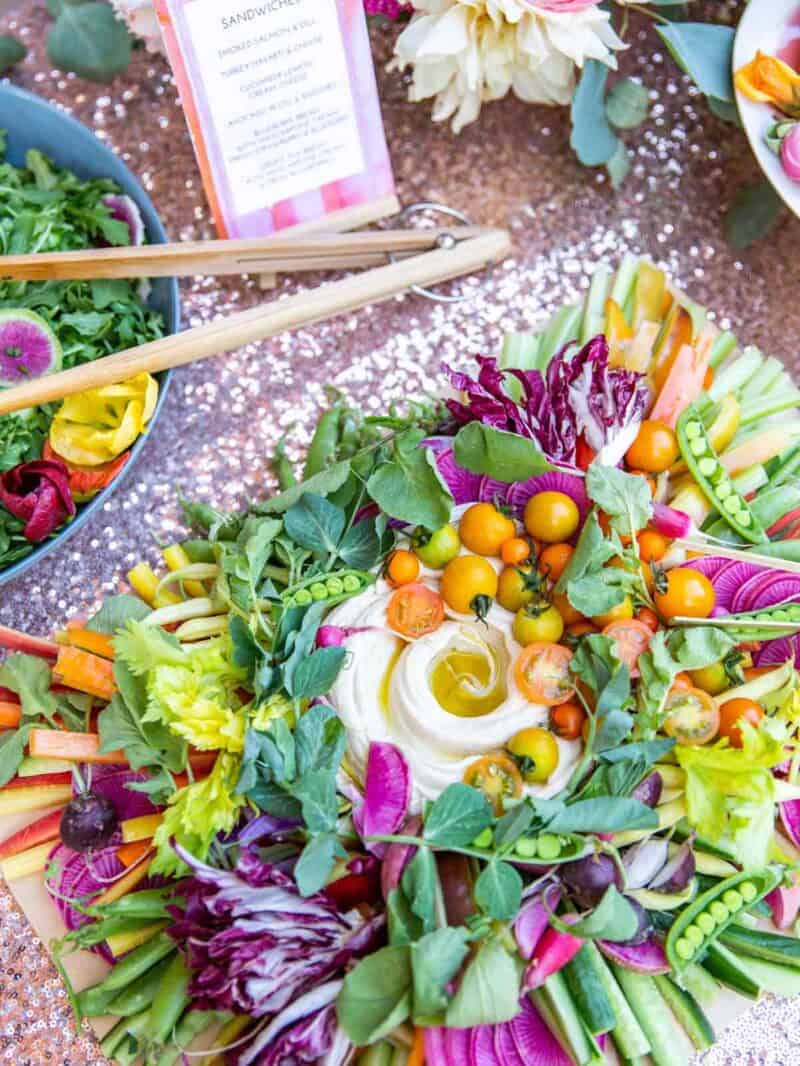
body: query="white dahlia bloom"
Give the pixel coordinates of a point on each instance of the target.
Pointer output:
(466, 52)
(141, 20)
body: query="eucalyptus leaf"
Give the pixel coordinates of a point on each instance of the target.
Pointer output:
(752, 215)
(627, 104)
(705, 52)
(90, 41)
(503, 456)
(592, 138)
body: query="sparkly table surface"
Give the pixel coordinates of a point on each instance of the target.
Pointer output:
(223, 417)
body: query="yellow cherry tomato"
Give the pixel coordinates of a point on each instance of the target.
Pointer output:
(551, 516)
(484, 530)
(94, 427)
(538, 622)
(515, 588)
(622, 612)
(687, 593)
(536, 752)
(711, 679)
(465, 578)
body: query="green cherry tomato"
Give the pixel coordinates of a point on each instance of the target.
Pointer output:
(437, 549)
(539, 622)
(711, 679)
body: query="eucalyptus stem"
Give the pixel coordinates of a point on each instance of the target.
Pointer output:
(646, 11)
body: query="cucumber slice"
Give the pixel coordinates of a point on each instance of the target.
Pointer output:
(782, 950)
(652, 1015)
(589, 994)
(731, 971)
(688, 1012)
(627, 1034)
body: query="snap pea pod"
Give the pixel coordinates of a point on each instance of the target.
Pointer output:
(712, 477)
(282, 467)
(328, 588)
(699, 924)
(171, 1000)
(139, 995)
(750, 621)
(191, 1025)
(546, 849)
(139, 961)
(124, 1037)
(322, 449)
(150, 904)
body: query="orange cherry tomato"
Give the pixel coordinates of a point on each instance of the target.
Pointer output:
(631, 639)
(515, 551)
(553, 560)
(605, 525)
(484, 530)
(732, 713)
(542, 673)
(465, 578)
(655, 448)
(567, 720)
(682, 680)
(650, 619)
(565, 609)
(621, 613)
(688, 593)
(692, 716)
(415, 611)
(580, 629)
(652, 546)
(497, 776)
(403, 567)
(551, 516)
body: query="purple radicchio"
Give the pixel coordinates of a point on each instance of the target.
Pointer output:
(579, 395)
(304, 1032)
(254, 945)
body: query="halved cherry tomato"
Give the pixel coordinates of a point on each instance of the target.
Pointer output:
(536, 752)
(652, 546)
(484, 530)
(631, 639)
(732, 713)
(551, 516)
(567, 720)
(415, 611)
(542, 673)
(515, 551)
(650, 619)
(553, 560)
(688, 593)
(655, 448)
(692, 716)
(497, 776)
(403, 567)
(465, 578)
(565, 609)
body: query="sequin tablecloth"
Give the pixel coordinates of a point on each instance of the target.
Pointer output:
(223, 417)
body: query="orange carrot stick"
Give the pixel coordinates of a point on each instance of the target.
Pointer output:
(417, 1054)
(10, 715)
(74, 747)
(128, 854)
(124, 885)
(86, 639)
(13, 640)
(85, 672)
(38, 832)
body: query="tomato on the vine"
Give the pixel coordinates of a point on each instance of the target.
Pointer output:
(497, 776)
(538, 622)
(684, 592)
(484, 530)
(465, 578)
(437, 549)
(542, 674)
(631, 639)
(536, 751)
(655, 448)
(692, 716)
(567, 720)
(551, 516)
(733, 713)
(415, 611)
(516, 587)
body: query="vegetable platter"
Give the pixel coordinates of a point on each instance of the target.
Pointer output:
(451, 751)
(62, 189)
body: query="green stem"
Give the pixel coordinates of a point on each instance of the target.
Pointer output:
(645, 11)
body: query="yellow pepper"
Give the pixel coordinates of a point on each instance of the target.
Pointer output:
(768, 80)
(95, 427)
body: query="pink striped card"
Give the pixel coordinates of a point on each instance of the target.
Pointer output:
(282, 105)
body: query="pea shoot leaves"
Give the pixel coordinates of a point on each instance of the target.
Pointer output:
(458, 816)
(409, 487)
(507, 457)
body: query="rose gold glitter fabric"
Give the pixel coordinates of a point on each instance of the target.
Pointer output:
(223, 417)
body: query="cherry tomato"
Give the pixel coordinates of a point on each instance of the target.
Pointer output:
(551, 516)
(621, 613)
(464, 578)
(484, 529)
(682, 681)
(348, 891)
(579, 629)
(497, 776)
(567, 721)
(650, 619)
(565, 608)
(536, 751)
(538, 622)
(711, 679)
(652, 546)
(415, 611)
(403, 567)
(631, 639)
(692, 716)
(605, 524)
(655, 448)
(732, 713)
(437, 549)
(553, 560)
(515, 551)
(542, 674)
(515, 588)
(688, 593)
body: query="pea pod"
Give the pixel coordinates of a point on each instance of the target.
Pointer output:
(544, 849)
(751, 620)
(139, 995)
(329, 589)
(138, 962)
(712, 477)
(170, 1001)
(699, 924)
(322, 449)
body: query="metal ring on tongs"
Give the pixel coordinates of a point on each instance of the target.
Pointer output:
(445, 240)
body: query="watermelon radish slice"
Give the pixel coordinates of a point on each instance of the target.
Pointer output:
(730, 579)
(28, 347)
(710, 565)
(784, 589)
(778, 651)
(126, 210)
(747, 593)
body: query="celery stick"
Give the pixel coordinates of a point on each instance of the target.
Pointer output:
(765, 377)
(722, 348)
(594, 314)
(734, 377)
(761, 408)
(700, 983)
(625, 280)
(563, 327)
(751, 480)
(520, 350)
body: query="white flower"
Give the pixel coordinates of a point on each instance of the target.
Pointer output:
(141, 18)
(465, 52)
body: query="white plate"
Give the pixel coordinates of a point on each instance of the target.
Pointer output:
(761, 27)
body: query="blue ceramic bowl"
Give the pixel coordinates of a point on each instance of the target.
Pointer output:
(31, 122)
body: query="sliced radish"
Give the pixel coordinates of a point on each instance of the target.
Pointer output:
(387, 794)
(648, 957)
(126, 210)
(790, 816)
(710, 565)
(28, 347)
(729, 579)
(778, 589)
(779, 651)
(481, 1049)
(553, 481)
(535, 1043)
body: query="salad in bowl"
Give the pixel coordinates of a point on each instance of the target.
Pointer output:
(477, 744)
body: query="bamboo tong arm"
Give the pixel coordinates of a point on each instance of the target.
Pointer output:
(266, 320)
(273, 255)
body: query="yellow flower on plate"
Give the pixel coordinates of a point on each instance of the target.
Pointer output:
(96, 426)
(467, 52)
(768, 80)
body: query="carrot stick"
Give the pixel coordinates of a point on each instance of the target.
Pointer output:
(128, 854)
(75, 747)
(32, 861)
(85, 672)
(88, 640)
(136, 829)
(124, 885)
(13, 640)
(38, 832)
(37, 781)
(10, 715)
(417, 1054)
(23, 800)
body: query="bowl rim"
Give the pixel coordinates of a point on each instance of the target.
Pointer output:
(157, 235)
